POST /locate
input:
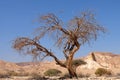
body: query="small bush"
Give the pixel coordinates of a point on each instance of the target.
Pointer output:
(36, 76)
(102, 71)
(77, 62)
(52, 72)
(83, 75)
(13, 73)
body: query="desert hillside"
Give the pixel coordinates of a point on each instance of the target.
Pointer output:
(102, 59)
(8, 66)
(94, 60)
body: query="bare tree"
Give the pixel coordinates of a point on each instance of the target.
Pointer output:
(79, 30)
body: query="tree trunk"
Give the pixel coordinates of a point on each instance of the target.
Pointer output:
(69, 65)
(70, 68)
(72, 72)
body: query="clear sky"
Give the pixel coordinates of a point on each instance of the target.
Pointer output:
(17, 18)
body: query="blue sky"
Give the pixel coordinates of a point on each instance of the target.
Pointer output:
(18, 18)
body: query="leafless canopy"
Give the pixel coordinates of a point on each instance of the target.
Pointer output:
(79, 30)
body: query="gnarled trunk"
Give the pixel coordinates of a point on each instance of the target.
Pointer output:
(71, 70)
(69, 66)
(72, 73)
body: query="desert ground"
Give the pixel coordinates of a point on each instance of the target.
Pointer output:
(35, 71)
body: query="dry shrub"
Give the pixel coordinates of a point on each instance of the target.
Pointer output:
(80, 75)
(52, 72)
(36, 76)
(13, 73)
(102, 71)
(78, 62)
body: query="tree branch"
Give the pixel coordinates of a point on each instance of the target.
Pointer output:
(49, 54)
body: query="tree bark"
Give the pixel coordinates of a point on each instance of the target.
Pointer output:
(72, 73)
(70, 67)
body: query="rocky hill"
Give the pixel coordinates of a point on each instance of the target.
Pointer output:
(94, 60)
(8, 66)
(103, 59)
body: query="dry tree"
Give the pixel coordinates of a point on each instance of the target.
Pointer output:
(79, 30)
